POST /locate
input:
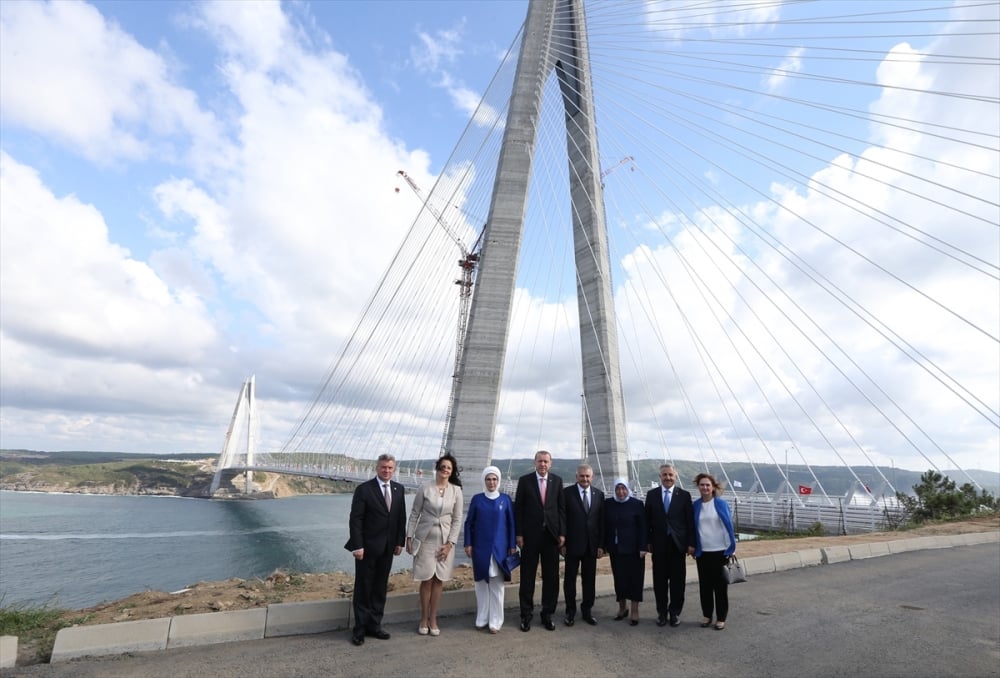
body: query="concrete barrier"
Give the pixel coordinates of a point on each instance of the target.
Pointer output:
(758, 565)
(902, 545)
(314, 616)
(879, 548)
(132, 636)
(811, 557)
(835, 554)
(8, 651)
(787, 561)
(860, 551)
(217, 627)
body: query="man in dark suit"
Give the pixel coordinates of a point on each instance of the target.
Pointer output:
(584, 543)
(540, 524)
(670, 516)
(377, 532)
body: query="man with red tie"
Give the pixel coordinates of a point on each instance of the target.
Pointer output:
(540, 525)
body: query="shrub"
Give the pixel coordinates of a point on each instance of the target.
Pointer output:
(937, 497)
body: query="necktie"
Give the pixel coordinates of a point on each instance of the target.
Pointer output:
(387, 495)
(541, 488)
(586, 501)
(666, 501)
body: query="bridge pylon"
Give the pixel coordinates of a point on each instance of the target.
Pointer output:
(241, 438)
(554, 43)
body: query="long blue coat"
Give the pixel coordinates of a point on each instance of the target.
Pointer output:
(489, 530)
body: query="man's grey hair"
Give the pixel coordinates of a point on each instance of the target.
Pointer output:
(385, 457)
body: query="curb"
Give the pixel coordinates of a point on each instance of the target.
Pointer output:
(285, 619)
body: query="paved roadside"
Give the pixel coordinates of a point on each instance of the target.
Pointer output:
(920, 613)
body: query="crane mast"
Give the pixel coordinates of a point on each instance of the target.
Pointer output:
(467, 266)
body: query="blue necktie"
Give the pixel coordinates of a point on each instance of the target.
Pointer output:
(666, 501)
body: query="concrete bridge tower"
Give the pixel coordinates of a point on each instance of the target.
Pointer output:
(554, 43)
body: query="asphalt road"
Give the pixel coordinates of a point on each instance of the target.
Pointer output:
(926, 613)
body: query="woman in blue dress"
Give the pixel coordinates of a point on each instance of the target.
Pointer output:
(489, 539)
(626, 536)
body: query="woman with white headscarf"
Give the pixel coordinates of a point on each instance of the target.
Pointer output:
(489, 539)
(626, 537)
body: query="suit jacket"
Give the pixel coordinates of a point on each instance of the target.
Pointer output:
(584, 531)
(373, 527)
(532, 520)
(426, 514)
(679, 520)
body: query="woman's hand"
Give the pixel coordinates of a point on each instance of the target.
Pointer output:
(468, 551)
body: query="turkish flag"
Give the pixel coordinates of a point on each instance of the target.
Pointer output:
(805, 489)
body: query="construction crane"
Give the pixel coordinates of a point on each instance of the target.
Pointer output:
(467, 265)
(627, 160)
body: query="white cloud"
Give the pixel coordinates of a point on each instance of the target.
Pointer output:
(67, 289)
(104, 95)
(792, 63)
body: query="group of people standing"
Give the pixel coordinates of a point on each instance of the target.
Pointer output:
(544, 521)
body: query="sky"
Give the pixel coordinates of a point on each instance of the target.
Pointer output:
(194, 192)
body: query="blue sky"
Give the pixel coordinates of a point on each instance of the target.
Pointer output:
(196, 192)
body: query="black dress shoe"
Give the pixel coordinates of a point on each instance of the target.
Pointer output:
(661, 620)
(674, 621)
(381, 634)
(634, 622)
(547, 623)
(569, 621)
(589, 618)
(620, 616)
(358, 640)
(525, 625)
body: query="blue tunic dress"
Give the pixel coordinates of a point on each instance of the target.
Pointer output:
(489, 530)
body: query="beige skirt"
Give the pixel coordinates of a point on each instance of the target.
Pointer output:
(426, 566)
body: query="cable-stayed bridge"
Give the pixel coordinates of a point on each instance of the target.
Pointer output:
(750, 232)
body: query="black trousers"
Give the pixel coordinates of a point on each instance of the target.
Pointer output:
(669, 572)
(371, 580)
(712, 586)
(547, 554)
(587, 567)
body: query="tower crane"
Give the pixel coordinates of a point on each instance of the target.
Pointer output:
(467, 265)
(627, 160)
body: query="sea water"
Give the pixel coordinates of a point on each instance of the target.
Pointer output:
(74, 551)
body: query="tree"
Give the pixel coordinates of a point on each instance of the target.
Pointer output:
(939, 498)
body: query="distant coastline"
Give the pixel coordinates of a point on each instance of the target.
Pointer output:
(131, 475)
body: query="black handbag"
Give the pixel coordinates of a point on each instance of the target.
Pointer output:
(733, 571)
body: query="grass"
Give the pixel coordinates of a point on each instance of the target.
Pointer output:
(35, 627)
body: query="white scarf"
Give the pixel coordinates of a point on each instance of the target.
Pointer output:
(495, 471)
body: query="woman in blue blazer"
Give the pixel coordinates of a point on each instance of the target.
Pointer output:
(489, 539)
(715, 541)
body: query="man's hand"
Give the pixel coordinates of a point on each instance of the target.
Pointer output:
(519, 541)
(600, 553)
(398, 550)
(359, 554)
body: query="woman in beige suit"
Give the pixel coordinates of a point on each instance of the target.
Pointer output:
(431, 535)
